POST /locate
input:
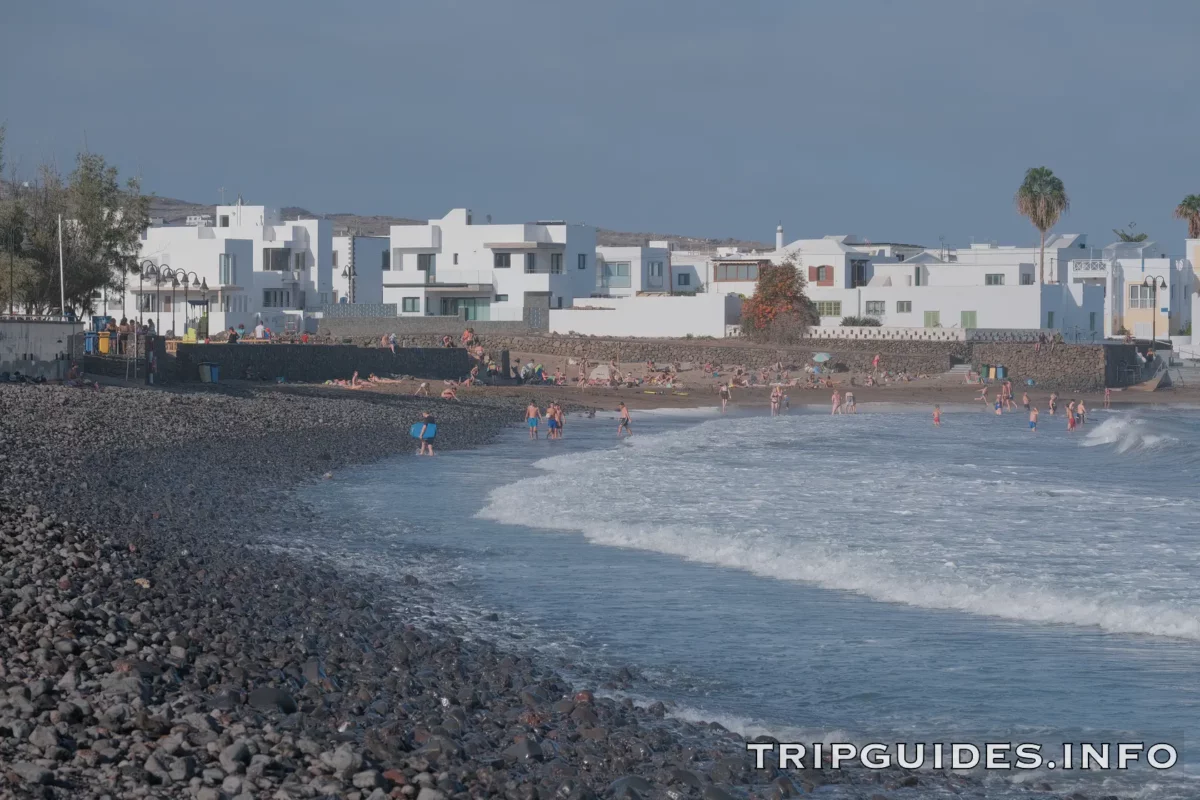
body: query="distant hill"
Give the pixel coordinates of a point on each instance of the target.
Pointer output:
(174, 212)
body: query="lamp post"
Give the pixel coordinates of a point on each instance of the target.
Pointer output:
(1155, 282)
(181, 275)
(146, 268)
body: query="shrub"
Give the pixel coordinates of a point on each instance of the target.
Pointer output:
(861, 322)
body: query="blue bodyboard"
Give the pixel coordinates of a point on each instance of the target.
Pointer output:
(430, 430)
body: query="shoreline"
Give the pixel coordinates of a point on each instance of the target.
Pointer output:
(179, 652)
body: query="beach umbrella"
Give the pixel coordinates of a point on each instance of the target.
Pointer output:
(821, 357)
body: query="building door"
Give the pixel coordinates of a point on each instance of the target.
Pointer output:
(933, 319)
(968, 320)
(654, 274)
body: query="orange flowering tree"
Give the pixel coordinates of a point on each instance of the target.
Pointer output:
(779, 311)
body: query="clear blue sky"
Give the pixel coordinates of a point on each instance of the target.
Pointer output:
(896, 120)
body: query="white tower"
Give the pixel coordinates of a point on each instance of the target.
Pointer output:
(779, 237)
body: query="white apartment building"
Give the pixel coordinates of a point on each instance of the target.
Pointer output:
(627, 271)
(250, 266)
(453, 265)
(199, 220)
(359, 263)
(1146, 292)
(687, 270)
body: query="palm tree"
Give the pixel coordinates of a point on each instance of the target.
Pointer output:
(1189, 211)
(1043, 199)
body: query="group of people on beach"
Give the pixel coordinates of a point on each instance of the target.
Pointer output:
(1075, 413)
(554, 420)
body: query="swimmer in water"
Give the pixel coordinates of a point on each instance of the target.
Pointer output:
(1033, 415)
(937, 416)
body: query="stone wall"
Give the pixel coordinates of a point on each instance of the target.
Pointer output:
(372, 328)
(317, 363)
(1054, 366)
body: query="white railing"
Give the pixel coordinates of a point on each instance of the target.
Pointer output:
(888, 332)
(463, 276)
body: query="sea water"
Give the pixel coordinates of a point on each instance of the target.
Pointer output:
(852, 578)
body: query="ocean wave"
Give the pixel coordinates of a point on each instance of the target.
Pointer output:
(781, 559)
(1132, 433)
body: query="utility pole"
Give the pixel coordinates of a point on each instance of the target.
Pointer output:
(222, 191)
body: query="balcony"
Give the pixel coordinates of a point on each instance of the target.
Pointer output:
(416, 237)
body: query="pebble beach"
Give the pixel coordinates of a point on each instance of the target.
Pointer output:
(152, 647)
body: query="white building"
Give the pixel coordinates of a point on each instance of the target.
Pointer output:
(657, 315)
(199, 220)
(359, 263)
(687, 270)
(626, 271)
(453, 266)
(250, 266)
(1146, 292)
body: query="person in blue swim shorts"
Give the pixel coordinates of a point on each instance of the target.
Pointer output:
(533, 417)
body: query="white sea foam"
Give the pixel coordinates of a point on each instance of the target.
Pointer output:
(876, 508)
(1128, 432)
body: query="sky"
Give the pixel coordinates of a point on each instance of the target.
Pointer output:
(897, 120)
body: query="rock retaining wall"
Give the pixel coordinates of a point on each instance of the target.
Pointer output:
(316, 363)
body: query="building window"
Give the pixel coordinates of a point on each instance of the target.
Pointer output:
(1141, 296)
(904, 306)
(456, 259)
(298, 260)
(1091, 320)
(410, 305)
(583, 260)
(556, 263)
(967, 320)
(530, 263)
(335, 255)
(227, 269)
(823, 274)
(1049, 319)
(994, 279)
(501, 298)
(224, 220)
(277, 298)
(1026, 279)
(616, 274)
(654, 273)
(735, 272)
(917, 278)
(829, 308)
(275, 259)
(685, 279)
(385, 261)
(933, 319)
(425, 262)
(501, 260)
(876, 307)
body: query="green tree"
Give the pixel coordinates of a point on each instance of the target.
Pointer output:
(1042, 198)
(779, 312)
(1189, 212)
(14, 268)
(1130, 236)
(102, 223)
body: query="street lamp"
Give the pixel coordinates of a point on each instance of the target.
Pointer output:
(178, 276)
(147, 268)
(1155, 282)
(348, 273)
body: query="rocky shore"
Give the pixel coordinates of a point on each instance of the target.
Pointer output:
(151, 648)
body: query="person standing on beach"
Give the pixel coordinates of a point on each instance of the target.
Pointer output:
(983, 395)
(937, 416)
(875, 363)
(776, 396)
(1107, 397)
(623, 425)
(1082, 412)
(837, 403)
(1033, 415)
(426, 441)
(851, 406)
(724, 393)
(533, 418)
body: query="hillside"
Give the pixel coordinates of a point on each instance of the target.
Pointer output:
(174, 212)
